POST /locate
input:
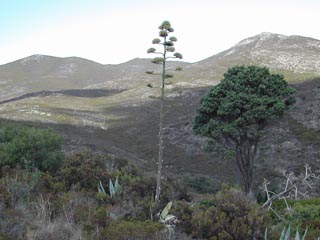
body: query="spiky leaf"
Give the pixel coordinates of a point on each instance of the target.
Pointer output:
(166, 211)
(266, 234)
(297, 237)
(111, 188)
(117, 186)
(287, 236)
(305, 233)
(101, 188)
(282, 234)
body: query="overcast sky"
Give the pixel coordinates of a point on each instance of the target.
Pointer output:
(116, 31)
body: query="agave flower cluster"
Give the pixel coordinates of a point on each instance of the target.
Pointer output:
(167, 43)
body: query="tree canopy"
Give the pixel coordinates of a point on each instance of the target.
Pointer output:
(234, 112)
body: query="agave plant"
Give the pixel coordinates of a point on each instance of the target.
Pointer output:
(166, 218)
(101, 188)
(285, 234)
(114, 189)
(117, 187)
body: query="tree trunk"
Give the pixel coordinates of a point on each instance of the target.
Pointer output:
(245, 155)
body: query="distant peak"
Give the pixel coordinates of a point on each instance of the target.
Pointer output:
(33, 58)
(265, 35)
(261, 37)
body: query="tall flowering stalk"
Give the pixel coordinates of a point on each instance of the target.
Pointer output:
(167, 51)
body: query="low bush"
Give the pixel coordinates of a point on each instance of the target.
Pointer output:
(303, 214)
(30, 147)
(201, 184)
(85, 170)
(120, 230)
(227, 215)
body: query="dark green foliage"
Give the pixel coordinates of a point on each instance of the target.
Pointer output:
(241, 103)
(30, 147)
(304, 214)
(235, 112)
(228, 215)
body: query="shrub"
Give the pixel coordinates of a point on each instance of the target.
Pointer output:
(228, 215)
(86, 170)
(119, 230)
(18, 186)
(184, 212)
(30, 147)
(12, 224)
(202, 184)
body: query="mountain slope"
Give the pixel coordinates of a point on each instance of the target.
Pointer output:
(296, 57)
(39, 72)
(124, 121)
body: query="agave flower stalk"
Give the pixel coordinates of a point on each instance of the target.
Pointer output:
(167, 44)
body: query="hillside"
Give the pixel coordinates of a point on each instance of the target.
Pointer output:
(109, 108)
(296, 57)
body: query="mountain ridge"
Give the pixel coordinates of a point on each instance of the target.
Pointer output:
(296, 57)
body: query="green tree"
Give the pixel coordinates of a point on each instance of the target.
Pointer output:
(167, 44)
(234, 113)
